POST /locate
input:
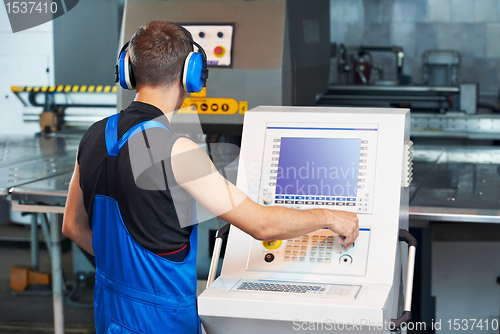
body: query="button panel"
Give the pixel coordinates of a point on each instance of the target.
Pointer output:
(318, 252)
(216, 40)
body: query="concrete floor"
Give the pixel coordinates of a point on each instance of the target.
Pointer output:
(31, 312)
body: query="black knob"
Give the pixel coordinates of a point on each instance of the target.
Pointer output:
(220, 34)
(201, 34)
(269, 257)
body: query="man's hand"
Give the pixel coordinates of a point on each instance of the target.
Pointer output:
(346, 225)
(194, 172)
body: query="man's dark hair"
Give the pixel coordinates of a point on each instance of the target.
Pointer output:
(158, 50)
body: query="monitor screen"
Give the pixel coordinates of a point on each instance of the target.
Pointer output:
(318, 166)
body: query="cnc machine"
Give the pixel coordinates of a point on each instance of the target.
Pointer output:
(350, 159)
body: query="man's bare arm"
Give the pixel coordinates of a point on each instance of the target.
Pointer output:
(194, 171)
(75, 221)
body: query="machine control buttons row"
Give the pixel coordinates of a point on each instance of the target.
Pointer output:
(279, 201)
(214, 107)
(317, 198)
(220, 34)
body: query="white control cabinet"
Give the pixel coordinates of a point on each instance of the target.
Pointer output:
(310, 157)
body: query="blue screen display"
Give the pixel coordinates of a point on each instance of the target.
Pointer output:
(318, 166)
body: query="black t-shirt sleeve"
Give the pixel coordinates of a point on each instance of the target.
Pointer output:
(95, 131)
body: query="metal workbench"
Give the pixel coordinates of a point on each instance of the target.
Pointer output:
(43, 163)
(456, 184)
(27, 159)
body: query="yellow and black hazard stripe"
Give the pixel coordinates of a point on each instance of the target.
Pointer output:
(65, 89)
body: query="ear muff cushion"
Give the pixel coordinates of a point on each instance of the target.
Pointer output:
(192, 74)
(124, 71)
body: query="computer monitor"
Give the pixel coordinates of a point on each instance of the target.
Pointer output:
(319, 165)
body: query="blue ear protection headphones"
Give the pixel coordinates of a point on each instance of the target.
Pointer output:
(194, 74)
(123, 71)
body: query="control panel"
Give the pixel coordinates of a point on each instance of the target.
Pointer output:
(216, 40)
(210, 106)
(316, 253)
(319, 166)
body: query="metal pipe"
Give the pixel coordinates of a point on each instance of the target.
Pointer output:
(45, 229)
(409, 278)
(215, 261)
(395, 89)
(34, 242)
(57, 288)
(214, 264)
(385, 97)
(398, 50)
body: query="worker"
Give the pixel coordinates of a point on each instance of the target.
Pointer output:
(145, 252)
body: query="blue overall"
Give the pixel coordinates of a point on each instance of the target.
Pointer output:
(137, 291)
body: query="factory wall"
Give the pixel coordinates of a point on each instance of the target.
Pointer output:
(86, 43)
(26, 59)
(469, 26)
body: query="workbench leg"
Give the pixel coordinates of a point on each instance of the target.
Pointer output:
(44, 222)
(57, 288)
(34, 242)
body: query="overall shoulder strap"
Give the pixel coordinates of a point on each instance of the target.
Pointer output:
(113, 144)
(111, 132)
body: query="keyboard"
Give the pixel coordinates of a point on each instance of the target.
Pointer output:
(345, 291)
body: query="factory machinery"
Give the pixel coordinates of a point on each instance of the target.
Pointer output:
(286, 285)
(454, 201)
(442, 106)
(277, 53)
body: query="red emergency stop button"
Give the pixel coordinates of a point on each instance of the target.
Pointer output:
(219, 51)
